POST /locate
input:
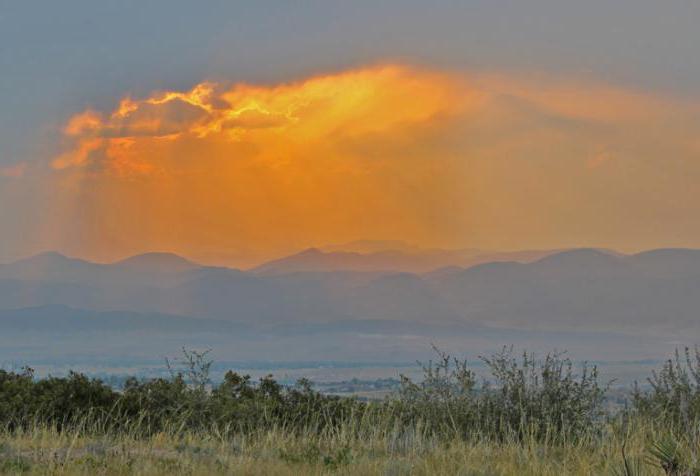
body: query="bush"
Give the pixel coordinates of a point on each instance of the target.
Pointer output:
(57, 401)
(674, 396)
(526, 398)
(185, 401)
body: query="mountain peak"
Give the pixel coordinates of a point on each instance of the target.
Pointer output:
(577, 254)
(581, 260)
(49, 255)
(48, 258)
(311, 259)
(157, 261)
(49, 265)
(46, 255)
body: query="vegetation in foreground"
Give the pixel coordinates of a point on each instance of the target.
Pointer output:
(532, 416)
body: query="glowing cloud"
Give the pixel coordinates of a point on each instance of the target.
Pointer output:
(324, 109)
(270, 167)
(243, 172)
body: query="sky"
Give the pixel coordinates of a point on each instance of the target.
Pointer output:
(233, 132)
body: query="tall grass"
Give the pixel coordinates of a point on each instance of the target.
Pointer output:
(529, 416)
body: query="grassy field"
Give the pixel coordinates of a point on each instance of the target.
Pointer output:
(533, 417)
(43, 450)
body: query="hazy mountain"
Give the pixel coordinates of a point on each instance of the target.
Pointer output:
(408, 260)
(403, 297)
(160, 263)
(153, 268)
(581, 289)
(315, 260)
(47, 267)
(668, 263)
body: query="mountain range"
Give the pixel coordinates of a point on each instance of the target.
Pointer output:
(654, 293)
(371, 256)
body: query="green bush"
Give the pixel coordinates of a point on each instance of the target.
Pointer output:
(525, 398)
(58, 401)
(674, 396)
(522, 398)
(186, 400)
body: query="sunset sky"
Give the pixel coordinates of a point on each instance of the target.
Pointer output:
(233, 133)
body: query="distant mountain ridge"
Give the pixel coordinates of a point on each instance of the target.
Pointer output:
(413, 261)
(592, 302)
(580, 289)
(53, 266)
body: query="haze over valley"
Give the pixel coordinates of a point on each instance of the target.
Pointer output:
(357, 302)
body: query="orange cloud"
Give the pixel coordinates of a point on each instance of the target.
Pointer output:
(381, 152)
(321, 109)
(269, 166)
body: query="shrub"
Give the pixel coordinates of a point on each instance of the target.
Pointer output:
(674, 395)
(525, 398)
(57, 401)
